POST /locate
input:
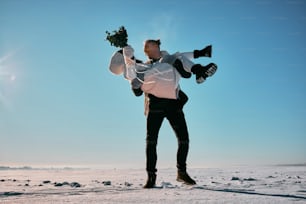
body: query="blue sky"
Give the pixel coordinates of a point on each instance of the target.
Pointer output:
(59, 104)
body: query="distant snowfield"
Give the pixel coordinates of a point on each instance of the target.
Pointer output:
(274, 184)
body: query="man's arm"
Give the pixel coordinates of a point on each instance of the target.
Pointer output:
(137, 92)
(136, 87)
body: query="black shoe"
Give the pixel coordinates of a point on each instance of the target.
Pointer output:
(211, 69)
(180, 68)
(151, 180)
(202, 72)
(182, 176)
(206, 52)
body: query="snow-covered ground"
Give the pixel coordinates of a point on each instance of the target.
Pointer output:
(273, 184)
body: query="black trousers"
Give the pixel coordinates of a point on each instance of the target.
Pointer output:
(171, 110)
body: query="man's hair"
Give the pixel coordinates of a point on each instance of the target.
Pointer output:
(157, 42)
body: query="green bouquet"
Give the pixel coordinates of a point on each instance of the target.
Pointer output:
(118, 38)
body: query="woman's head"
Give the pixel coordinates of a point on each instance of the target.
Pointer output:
(152, 48)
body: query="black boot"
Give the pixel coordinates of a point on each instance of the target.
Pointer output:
(211, 69)
(182, 176)
(205, 52)
(180, 68)
(151, 180)
(202, 72)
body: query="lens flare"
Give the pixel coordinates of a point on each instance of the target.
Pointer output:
(6, 78)
(13, 77)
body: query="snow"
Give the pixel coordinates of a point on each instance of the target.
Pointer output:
(264, 184)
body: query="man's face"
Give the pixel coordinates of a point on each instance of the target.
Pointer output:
(151, 49)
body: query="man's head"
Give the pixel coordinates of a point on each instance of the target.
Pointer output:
(152, 49)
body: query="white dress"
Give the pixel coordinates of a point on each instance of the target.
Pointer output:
(160, 78)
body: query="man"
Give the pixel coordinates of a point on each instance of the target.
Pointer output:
(158, 109)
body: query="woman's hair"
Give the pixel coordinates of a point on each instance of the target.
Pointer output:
(157, 42)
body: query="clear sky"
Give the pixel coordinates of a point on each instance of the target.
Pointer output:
(60, 105)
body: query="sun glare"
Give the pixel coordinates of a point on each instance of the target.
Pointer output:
(6, 68)
(7, 77)
(13, 77)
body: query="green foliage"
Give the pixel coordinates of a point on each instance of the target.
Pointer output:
(118, 38)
